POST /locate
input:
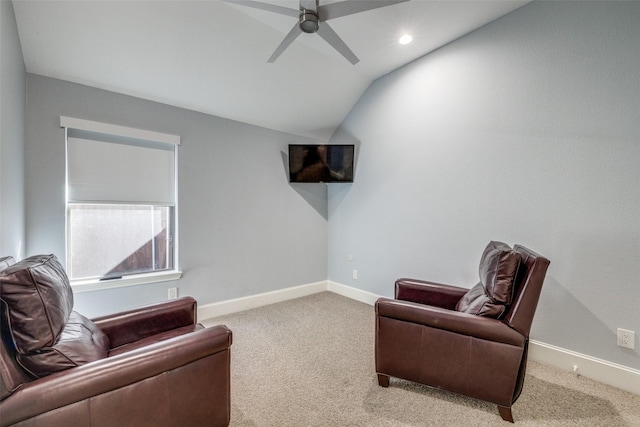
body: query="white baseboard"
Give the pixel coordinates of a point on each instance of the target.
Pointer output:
(259, 300)
(610, 373)
(615, 375)
(353, 293)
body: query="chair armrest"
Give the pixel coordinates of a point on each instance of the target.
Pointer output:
(133, 325)
(449, 320)
(431, 293)
(83, 382)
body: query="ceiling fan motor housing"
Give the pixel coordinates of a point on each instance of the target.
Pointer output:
(308, 21)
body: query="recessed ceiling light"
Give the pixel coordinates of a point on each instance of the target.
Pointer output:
(406, 39)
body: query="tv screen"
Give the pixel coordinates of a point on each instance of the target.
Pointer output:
(321, 163)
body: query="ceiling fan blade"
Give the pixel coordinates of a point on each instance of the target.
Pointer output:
(266, 6)
(344, 8)
(295, 32)
(327, 33)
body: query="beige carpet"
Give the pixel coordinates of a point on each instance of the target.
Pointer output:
(309, 362)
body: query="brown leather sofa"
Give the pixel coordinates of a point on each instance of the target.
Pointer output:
(153, 366)
(471, 342)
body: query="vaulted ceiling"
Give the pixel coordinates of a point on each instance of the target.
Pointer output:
(211, 56)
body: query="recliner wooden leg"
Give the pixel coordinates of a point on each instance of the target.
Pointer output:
(383, 380)
(505, 413)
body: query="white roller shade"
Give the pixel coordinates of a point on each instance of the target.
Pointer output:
(108, 168)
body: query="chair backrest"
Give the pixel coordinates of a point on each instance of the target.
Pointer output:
(533, 268)
(11, 373)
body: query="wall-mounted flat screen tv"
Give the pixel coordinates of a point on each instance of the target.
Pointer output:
(321, 163)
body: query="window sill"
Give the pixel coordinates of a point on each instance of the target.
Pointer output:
(137, 279)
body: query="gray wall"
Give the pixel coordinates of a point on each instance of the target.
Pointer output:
(243, 228)
(12, 129)
(525, 131)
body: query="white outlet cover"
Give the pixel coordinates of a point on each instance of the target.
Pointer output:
(626, 338)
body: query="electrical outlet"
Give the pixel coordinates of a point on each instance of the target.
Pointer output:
(626, 338)
(355, 274)
(173, 293)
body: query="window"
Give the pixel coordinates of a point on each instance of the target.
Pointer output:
(121, 204)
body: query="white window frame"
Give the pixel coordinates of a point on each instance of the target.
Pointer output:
(83, 285)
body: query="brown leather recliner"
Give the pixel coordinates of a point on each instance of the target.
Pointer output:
(153, 366)
(472, 342)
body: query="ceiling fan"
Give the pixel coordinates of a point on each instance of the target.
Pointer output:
(312, 18)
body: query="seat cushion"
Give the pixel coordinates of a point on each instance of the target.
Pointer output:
(80, 342)
(38, 298)
(498, 271)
